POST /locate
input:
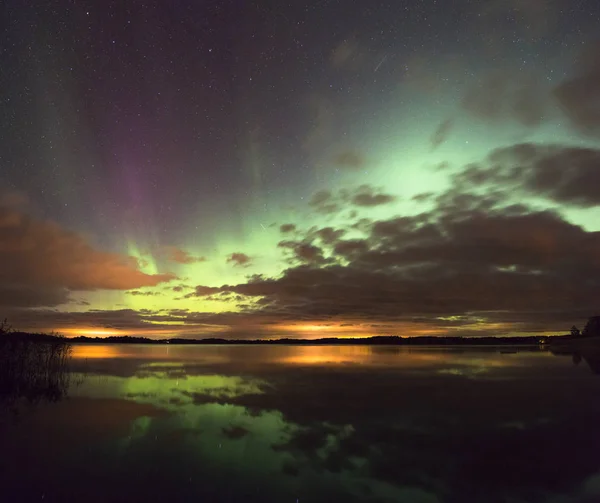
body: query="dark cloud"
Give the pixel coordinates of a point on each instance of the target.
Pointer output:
(201, 291)
(579, 96)
(351, 248)
(235, 432)
(468, 260)
(423, 197)
(139, 293)
(329, 235)
(350, 159)
(366, 195)
(41, 319)
(180, 256)
(287, 228)
(501, 95)
(180, 288)
(442, 132)
(473, 265)
(42, 254)
(147, 321)
(568, 175)
(12, 296)
(325, 202)
(307, 250)
(239, 259)
(304, 252)
(328, 202)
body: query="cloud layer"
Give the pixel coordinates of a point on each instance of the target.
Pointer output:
(562, 174)
(511, 263)
(40, 261)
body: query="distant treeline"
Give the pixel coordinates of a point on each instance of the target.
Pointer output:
(364, 341)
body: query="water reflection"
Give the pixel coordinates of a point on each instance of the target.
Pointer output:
(593, 361)
(304, 355)
(591, 358)
(263, 423)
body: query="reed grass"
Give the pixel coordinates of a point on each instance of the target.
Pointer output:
(33, 366)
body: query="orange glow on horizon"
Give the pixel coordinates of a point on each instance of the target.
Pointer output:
(96, 352)
(306, 330)
(90, 332)
(316, 331)
(156, 331)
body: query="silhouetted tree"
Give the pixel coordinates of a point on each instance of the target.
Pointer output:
(575, 332)
(5, 328)
(592, 327)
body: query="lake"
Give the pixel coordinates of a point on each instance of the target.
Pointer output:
(303, 424)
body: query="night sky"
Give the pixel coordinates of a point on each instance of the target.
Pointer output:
(251, 169)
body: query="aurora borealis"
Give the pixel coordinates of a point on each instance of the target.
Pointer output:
(261, 170)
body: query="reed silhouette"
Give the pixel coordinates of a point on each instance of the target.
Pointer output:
(33, 367)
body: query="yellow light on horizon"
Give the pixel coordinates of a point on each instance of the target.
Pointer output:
(90, 332)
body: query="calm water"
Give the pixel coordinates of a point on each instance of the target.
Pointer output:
(310, 424)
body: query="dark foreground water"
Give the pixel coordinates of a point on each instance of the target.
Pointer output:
(310, 424)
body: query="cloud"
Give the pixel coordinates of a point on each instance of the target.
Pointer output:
(579, 96)
(138, 293)
(180, 288)
(42, 254)
(235, 432)
(145, 322)
(202, 291)
(350, 159)
(455, 260)
(180, 256)
(239, 259)
(304, 252)
(329, 235)
(328, 202)
(42, 319)
(18, 296)
(567, 175)
(151, 323)
(440, 135)
(324, 202)
(475, 264)
(287, 228)
(365, 195)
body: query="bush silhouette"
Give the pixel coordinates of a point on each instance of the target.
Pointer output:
(592, 327)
